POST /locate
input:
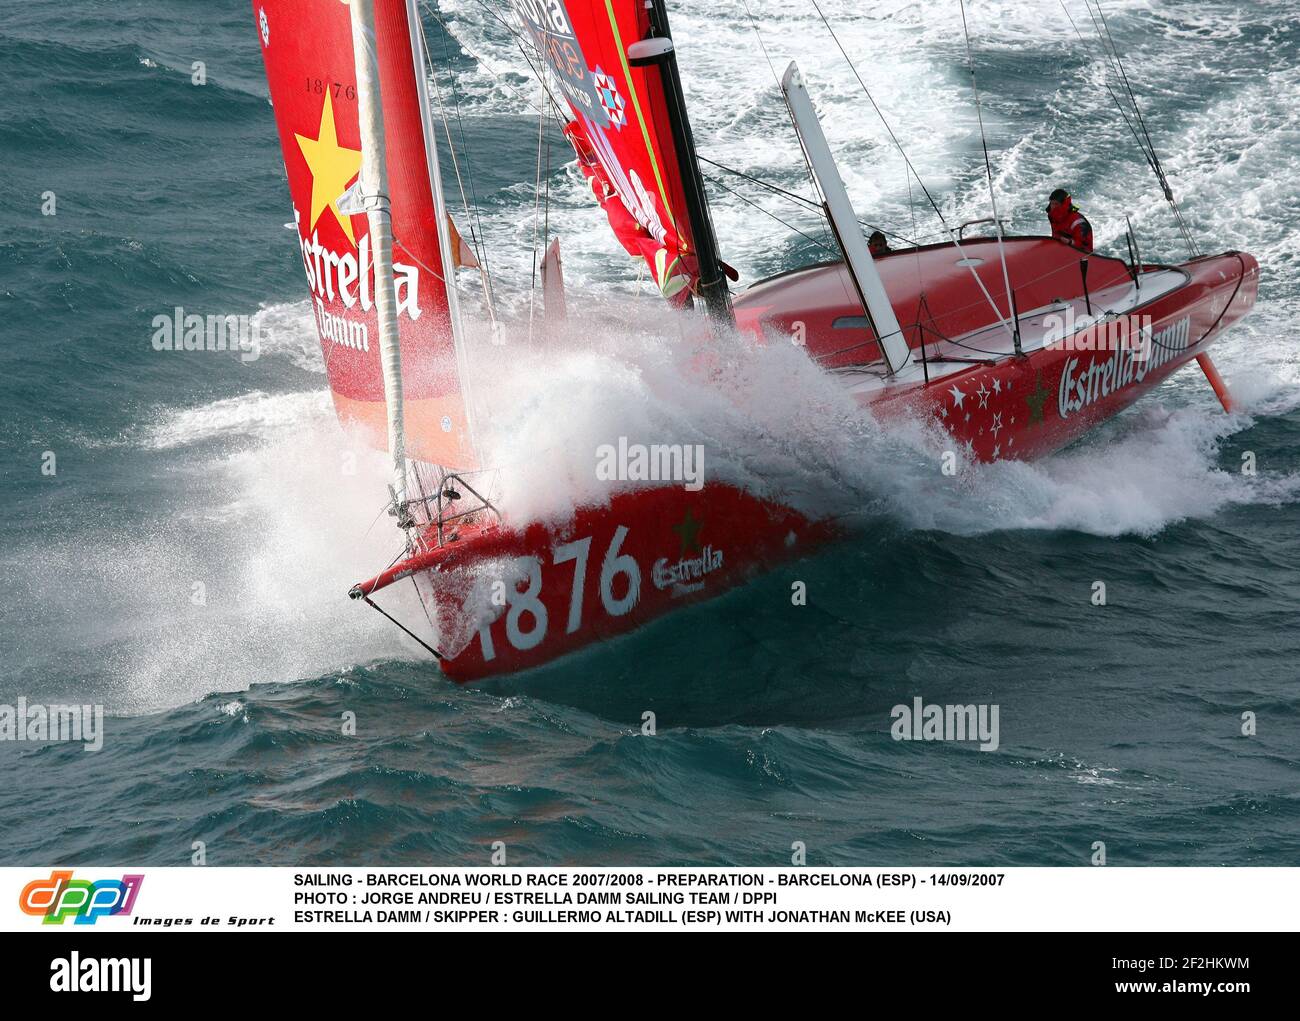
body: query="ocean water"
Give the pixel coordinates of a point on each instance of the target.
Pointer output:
(187, 563)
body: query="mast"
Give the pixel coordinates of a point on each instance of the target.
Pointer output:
(844, 222)
(374, 195)
(658, 49)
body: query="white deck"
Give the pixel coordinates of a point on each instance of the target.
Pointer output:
(993, 343)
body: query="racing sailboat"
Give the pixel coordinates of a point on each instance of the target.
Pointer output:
(1013, 345)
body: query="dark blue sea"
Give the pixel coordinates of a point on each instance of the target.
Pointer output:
(186, 562)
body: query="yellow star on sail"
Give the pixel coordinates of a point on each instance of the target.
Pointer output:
(332, 169)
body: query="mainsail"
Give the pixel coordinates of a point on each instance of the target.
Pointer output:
(308, 49)
(621, 129)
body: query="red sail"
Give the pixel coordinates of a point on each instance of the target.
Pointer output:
(620, 129)
(307, 48)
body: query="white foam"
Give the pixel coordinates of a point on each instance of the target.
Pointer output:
(289, 330)
(234, 418)
(239, 577)
(1161, 469)
(772, 422)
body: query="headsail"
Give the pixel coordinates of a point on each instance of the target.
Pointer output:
(621, 129)
(307, 46)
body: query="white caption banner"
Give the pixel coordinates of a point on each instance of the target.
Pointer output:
(1096, 899)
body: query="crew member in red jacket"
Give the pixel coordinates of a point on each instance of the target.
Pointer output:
(1068, 224)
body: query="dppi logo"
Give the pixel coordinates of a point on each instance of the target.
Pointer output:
(61, 896)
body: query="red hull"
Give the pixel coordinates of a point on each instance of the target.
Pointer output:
(935, 296)
(1027, 407)
(608, 570)
(649, 550)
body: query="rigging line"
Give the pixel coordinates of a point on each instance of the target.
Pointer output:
(546, 218)
(763, 46)
(539, 72)
(482, 275)
(471, 203)
(1069, 268)
(748, 201)
(480, 252)
(1152, 160)
(519, 40)
(916, 260)
(1119, 105)
(1160, 172)
(375, 606)
(828, 227)
(538, 68)
(988, 171)
(442, 113)
(957, 311)
(780, 92)
(382, 511)
(956, 242)
(537, 198)
(1154, 157)
(807, 163)
(1135, 123)
(1235, 291)
(442, 116)
(492, 13)
(429, 77)
(867, 92)
(515, 34)
(812, 178)
(1128, 87)
(427, 7)
(428, 614)
(478, 218)
(539, 75)
(933, 356)
(420, 262)
(759, 181)
(805, 201)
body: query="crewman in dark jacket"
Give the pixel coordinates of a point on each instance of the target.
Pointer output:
(1068, 224)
